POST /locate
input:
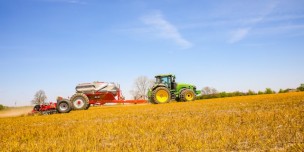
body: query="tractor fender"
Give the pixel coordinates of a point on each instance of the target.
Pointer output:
(184, 88)
(180, 90)
(159, 85)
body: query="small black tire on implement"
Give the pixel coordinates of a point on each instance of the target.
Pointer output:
(36, 107)
(63, 106)
(187, 95)
(79, 101)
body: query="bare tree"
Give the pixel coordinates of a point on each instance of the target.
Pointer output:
(206, 90)
(214, 91)
(209, 90)
(39, 97)
(141, 86)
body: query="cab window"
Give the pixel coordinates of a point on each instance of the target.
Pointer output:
(165, 80)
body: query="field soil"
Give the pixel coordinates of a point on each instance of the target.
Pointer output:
(250, 123)
(15, 112)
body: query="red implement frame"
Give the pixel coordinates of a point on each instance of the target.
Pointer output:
(110, 97)
(44, 109)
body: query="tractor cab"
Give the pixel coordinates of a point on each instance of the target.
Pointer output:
(168, 80)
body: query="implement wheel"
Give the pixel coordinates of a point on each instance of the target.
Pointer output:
(63, 106)
(37, 107)
(79, 101)
(161, 95)
(187, 95)
(88, 106)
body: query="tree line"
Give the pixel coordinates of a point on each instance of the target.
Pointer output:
(209, 92)
(2, 107)
(142, 83)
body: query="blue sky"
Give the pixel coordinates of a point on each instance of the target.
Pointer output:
(229, 45)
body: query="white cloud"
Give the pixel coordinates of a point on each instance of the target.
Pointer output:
(76, 2)
(238, 35)
(241, 33)
(82, 2)
(165, 29)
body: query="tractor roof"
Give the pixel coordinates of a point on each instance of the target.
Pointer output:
(165, 75)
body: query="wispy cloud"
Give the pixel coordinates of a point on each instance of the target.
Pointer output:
(163, 28)
(239, 34)
(242, 32)
(289, 30)
(82, 2)
(76, 2)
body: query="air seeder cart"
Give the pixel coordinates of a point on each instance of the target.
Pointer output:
(87, 94)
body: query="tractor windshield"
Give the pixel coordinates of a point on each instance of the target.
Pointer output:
(164, 80)
(158, 80)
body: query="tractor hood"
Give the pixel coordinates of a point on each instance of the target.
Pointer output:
(185, 85)
(190, 86)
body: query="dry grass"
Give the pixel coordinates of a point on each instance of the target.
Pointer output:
(252, 123)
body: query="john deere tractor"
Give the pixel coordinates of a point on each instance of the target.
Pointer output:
(165, 89)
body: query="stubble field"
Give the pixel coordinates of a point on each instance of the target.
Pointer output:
(252, 123)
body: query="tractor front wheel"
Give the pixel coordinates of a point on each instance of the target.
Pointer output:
(187, 95)
(161, 95)
(79, 101)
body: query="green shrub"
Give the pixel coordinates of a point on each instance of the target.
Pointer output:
(250, 92)
(2, 107)
(269, 91)
(260, 92)
(301, 88)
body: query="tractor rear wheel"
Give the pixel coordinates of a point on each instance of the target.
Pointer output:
(151, 100)
(161, 95)
(187, 95)
(63, 106)
(79, 101)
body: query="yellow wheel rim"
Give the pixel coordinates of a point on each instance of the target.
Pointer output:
(189, 96)
(162, 96)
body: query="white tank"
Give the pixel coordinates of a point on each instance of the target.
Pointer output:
(97, 87)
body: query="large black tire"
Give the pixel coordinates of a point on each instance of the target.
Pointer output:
(79, 101)
(161, 95)
(63, 106)
(151, 100)
(187, 95)
(88, 106)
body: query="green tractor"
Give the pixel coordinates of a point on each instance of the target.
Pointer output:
(165, 89)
